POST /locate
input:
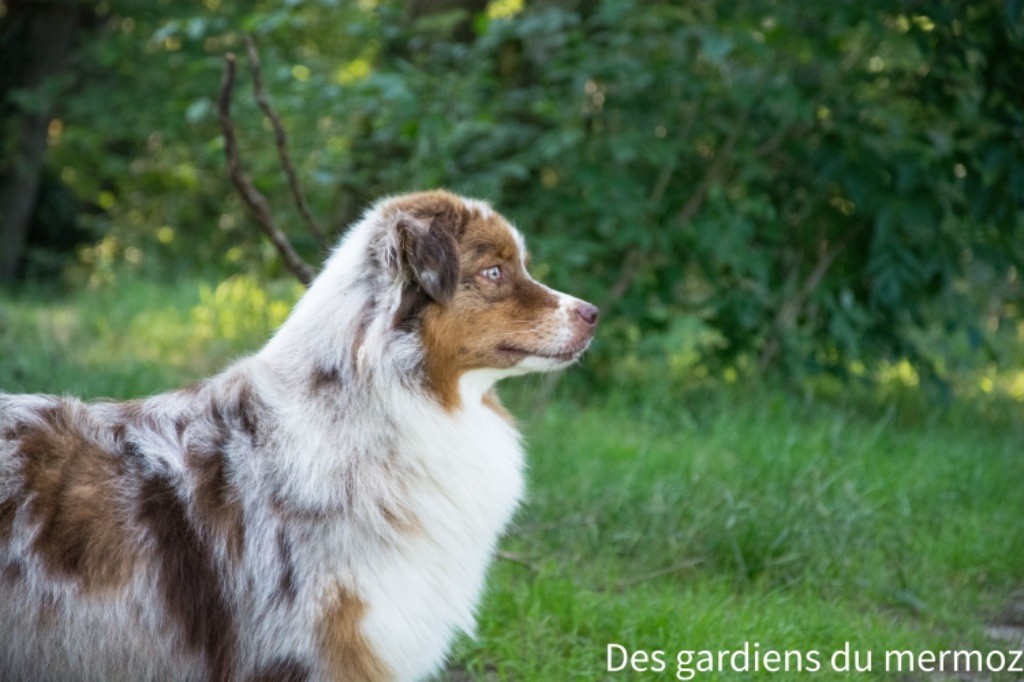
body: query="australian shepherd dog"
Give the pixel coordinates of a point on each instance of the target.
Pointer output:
(325, 509)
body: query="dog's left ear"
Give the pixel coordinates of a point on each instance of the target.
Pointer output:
(430, 255)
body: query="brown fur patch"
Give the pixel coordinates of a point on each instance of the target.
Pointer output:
(216, 501)
(400, 517)
(72, 486)
(410, 307)
(239, 410)
(12, 574)
(348, 654)
(250, 411)
(8, 508)
(491, 402)
(286, 587)
(282, 670)
(324, 379)
(429, 225)
(188, 578)
(180, 424)
(438, 207)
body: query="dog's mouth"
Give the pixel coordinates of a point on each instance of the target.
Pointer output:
(563, 356)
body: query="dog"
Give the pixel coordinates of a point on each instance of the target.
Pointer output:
(325, 509)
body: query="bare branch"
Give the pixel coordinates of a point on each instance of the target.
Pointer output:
(517, 559)
(713, 173)
(282, 142)
(791, 308)
(682, 566)
(257, 204)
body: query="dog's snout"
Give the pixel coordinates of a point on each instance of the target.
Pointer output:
(588, 313)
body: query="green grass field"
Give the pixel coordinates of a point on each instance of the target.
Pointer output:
(662, 518)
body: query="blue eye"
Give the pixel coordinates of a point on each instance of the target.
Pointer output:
(492, 273)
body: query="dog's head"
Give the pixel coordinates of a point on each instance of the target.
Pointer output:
(461, 270)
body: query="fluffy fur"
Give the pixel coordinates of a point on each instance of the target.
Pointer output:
(322, 510)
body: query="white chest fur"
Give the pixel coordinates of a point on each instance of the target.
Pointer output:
(425, 588)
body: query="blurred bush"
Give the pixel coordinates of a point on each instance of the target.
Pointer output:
(238, 310)
(752, 186)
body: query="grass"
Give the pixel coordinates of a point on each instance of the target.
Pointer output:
(665, 518)
(761, 518)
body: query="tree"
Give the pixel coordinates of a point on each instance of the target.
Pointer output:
(37, 37)
(774, 186)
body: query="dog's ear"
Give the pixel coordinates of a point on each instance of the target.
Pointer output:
(429, 254)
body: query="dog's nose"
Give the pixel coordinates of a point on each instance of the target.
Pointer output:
(588, 313)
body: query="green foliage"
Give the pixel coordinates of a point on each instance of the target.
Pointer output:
(134, 339)
(239, 311)
(742, 186)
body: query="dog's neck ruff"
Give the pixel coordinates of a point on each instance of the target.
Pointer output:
(455, 475)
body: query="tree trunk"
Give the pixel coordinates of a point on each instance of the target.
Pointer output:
(44, 32)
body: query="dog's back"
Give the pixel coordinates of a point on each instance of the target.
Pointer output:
(73, 550)
(119, 523)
